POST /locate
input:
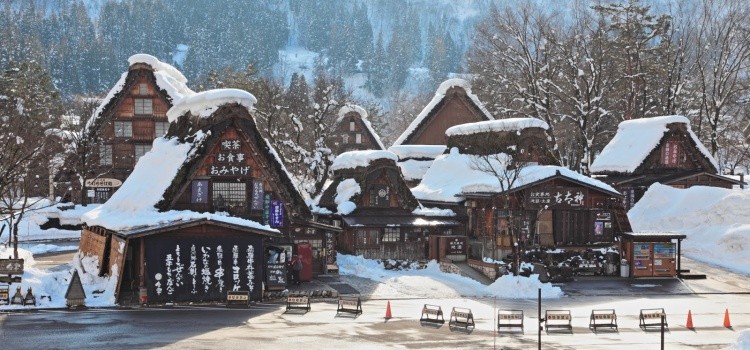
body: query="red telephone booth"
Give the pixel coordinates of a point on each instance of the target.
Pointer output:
(305, 252)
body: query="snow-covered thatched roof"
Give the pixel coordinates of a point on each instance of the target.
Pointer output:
(204, 104)
(167, 78)
(636, 139)
(354, 159)
(350, 108)
(439, 96)
(454, 174)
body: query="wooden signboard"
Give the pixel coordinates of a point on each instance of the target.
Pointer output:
(11, 266)
(4, 295)
(276, 278)
(103, 182)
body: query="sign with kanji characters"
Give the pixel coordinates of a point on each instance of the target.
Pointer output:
(556, 197)
(257, 200)
(231, 145)
(11, 266)
(103, 182)
(199, 191)
(277, 213)
(457, 245)
(266, 208)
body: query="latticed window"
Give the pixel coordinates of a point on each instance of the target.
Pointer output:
(105, 154)
(143, 106)
(140, 150)
(160, 128)
(123, 129)
(367, 238)
(392, 234)
(142, 89)
(228, 195)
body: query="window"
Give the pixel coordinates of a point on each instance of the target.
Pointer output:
(392, 234)
(415, 235)
(105, 154)
(358, 138)
(143, 106)
(140, 150)
(352, 126)
(123, 129)
(160, 128)
(143, 89)
(226, 195)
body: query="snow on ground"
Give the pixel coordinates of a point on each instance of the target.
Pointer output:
(49, 287)
(743, 342)
(43, 210)
(42, 248)
(433, 283)
(715, 221)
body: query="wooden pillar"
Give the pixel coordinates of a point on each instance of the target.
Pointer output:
(679, 256)
(142, 262)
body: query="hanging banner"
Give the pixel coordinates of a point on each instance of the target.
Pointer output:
(257, 199)
(266, 208)
(200, 191)
(277, 213)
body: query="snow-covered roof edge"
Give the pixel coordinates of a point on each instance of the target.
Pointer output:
(439, 95)
(365, 120)
(509, 124)
(405, 152)
(157, 66)
(204, 104)
(354, 159)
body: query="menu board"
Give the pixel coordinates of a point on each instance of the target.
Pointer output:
(276, 275)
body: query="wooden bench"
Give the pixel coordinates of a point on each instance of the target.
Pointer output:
(558, 319)
(349, 305)
(432, 313)
(298, 302)
(461, 317)
(510, 319)
(652, 317)
(603, 318)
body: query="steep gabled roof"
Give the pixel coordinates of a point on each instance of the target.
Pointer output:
(355, 173)
(636, 140)
(441, 184)
(437, 103)
(172, 85)
(350, 108)
(162, 174)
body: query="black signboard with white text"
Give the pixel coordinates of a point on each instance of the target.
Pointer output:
(203, 268)
(276, 276)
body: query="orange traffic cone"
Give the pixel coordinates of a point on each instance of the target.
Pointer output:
(388, 311)
(727, 324)
(689, 324)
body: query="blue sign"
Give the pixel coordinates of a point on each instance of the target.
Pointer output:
(266, 208)
(277, 213)
(200, 191)
(257, 201)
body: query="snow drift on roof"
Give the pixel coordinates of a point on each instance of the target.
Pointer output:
(344, 192)
(205, 103)
(133, 205)
(442, 184)
(634, 141)
(414, 169)
(439, 95)
(353, 159)
(405, 152)
(157, 66)
(363, 115)
(510, 124)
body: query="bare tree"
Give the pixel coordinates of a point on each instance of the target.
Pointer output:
(722, 59)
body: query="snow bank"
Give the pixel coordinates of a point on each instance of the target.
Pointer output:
(439, 95)
(743, 342)
(441, 184)
(433, 283)
(40, 212)
(510, 124)
(634, 141)
(414, 169)
(354, 159)
(714, 220)
(50, 287)
(405, 152)
(344, 192)
(363, 116)
(204, 104)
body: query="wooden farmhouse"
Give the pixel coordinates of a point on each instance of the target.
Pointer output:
(354, 131)
(661, 149)
(125, 124)
(209, 209)
(379, 215)
(452, 105)
(510, 193)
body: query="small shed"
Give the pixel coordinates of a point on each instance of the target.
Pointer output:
(652, 254)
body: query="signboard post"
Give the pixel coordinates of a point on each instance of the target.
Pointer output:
(238, 298)
(103, 182)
